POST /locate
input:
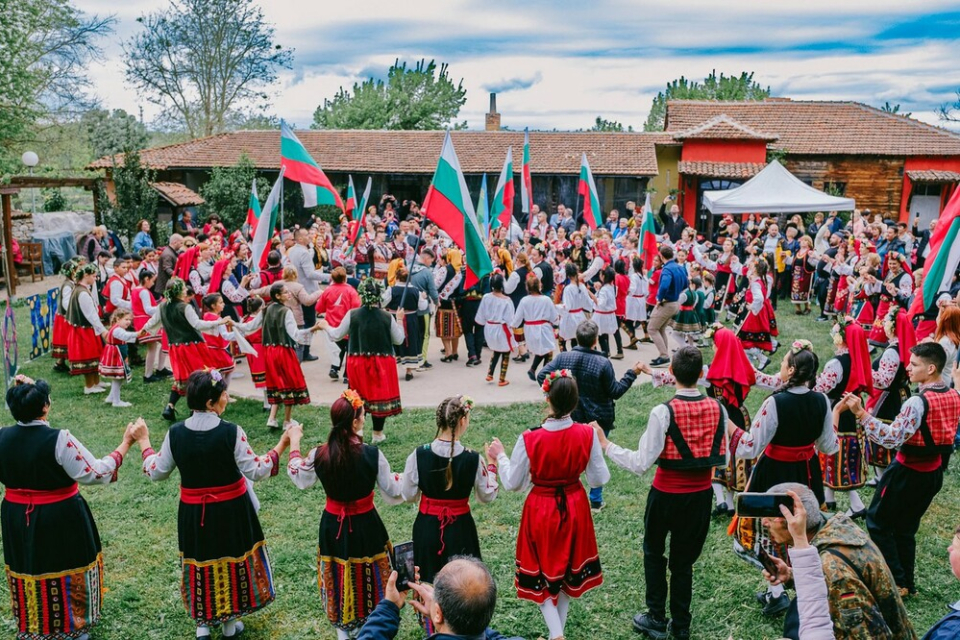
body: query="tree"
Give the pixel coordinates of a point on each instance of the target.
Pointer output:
(950, 112)
(204, 59)
(609, 125)
(894, 109)
(134, 198)
(227, 192)
(420, 98)
(740, 87)
(112, 132)
(54, 200)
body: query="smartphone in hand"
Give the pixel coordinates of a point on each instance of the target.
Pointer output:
(402, 561)
(762, 505)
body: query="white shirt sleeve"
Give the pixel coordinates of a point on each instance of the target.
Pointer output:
(396, 331)
(302, 471)
(515, 470)
(410, 480)
(598, 474)
(757, 295)
(196, 283)
(485, 485)
(301, 336)
(830, 377)
(901, 429)
(761, 432)
(512, 282)
(80, 465)
(148, 307)
(593, 269)
(116, 296)
(159, 465)
(234, 293)
(338, 332)
(650, 447)
(886, 371)
(252, 466)
(89, 309)
(200, 325)
(124, 335)
(388, 481)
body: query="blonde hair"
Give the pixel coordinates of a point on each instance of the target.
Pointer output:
(290, 274)
(119, 314)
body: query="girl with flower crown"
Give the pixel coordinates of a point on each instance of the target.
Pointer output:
(549, 460)
(61, 328)
(442, 475)
(353, 555)
(896, 291)
(759, 326)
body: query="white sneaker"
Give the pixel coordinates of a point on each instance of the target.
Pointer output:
(237, 374)
(292, 423)
(272, 423)
(91, 390)
(120, 404)
(378, 438)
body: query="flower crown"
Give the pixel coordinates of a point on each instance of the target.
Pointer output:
(555, 375)
(215, 375)
(467, 403)
(353, 398)
(712, 329)
(801, 345)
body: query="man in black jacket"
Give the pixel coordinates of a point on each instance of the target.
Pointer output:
(673, 223)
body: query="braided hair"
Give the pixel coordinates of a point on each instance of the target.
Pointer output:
(449, 414)
(805, 364)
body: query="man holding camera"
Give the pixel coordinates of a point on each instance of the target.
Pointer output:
(673, 223)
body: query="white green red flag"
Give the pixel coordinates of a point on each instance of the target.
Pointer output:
(591, 199)
(526, 181)
(501, 207)
(253, 208)
(266, 224)
(483, 208)
(448, 205)
(317, 188)
(351, 203)
(359, 219)
(648, 235)
(942, 261)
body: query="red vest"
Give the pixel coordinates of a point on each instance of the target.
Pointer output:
(941, 413)
(695, 435)
(108, 306)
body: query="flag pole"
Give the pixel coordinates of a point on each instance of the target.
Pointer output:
(281, 206)
(416, 250)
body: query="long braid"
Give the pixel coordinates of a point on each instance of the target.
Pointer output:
(449, 414)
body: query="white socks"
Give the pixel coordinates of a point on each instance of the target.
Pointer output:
(162, 359)
(266, 403)
(829, 495)
(232, 628)
(722, 495)
(775, 591)
(150, 362)
(552, 617)
(342, 635)
(203, 631)
(856, 504)
(563, 606)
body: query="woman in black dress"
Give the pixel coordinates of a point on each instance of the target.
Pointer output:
(410, 351)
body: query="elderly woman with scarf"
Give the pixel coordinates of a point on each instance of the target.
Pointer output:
(371, 365)
(224, 282)
(187, 270)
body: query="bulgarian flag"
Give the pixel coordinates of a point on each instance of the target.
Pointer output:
(501, 207)
(265, 224)
(448, 205)
(483, 208)
(526, 181)
(359, 214)
(317, 188)
(648, 235)
(253, 208)
(591, 200)
(943, 259)
(351, 204)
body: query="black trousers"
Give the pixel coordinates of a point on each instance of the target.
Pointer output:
(822, 287)
(686, 518)
(901, 498)
(472, 332)
(309, 319)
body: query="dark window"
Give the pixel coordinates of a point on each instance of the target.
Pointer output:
(926, 189)
(835, 188)
(704, 221)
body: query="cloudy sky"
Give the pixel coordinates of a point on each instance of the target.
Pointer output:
(560, 64)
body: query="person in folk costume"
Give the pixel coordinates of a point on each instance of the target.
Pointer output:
(114, 362)
(758, 328)
(897, 291)
(144, 307)
(495, 313)
(353, 555)
(841, 273)
(408, 298)
(515, 287)
(924, 431)
(862, 292)
(721, 267)
(538, 314)
(448, 277)
(636, 314)
(252, 329)
(947, 334)
(708, 314)
(441, 476)
(336, 301)
(84, 344)
(891, 384)
(51, 546)
(653, 280)
(685, 439)
(802, 267)
(371, 365)
(183, 328)
(604, 313)
(187, 269)
(549, 460)
(223, 282)
(621, 282)
(687, 323)
(467, 305)
(577, 302)
(61, 328)
(222, 546)
(792, 425)
(116, 290)
(927, 320)
(835, 275)
(103, 274)
(219, 341)
(379, 256)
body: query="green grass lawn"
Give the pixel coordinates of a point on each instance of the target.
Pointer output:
(137, 522)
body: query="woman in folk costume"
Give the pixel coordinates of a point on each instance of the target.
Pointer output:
(494, 315)
(144, 307)
(84, 344)
(759, 326)
(577, 302)
(637, 301)
(51, 546)
(802, 267)
(538, 315)
(725, 280)
(186, 270)
(861, 295)
(400, 295)
(441, 476)
(61, 328)
(253, 331)
(183, 328)
(621, 282)
(447, 277)
(223, 282)
(371, 366)
(549, 460)
(224, 562)
(653, 280)
(514, 286)
(833, 286)
(896, 291)
(604, 313)
(353, 555)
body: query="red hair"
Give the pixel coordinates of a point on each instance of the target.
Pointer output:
(948, 324)
(343, 446)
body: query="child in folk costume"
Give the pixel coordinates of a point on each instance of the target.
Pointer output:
(653, 286)
(495, 314)
(802, 267)
(636, 315)
(896, 291)
(224, 562)
(448, 280)
(255, 361)
(708, 314)
(218, 342)
(621, 282)
(144, 307)
(538, 315)
(353, 554)
(441, 476)
(577, 302)
(549, 461)
(61, 328)
(116, 291)
(113, 361)
(84, 345)
(861, 294)
(759, 325)
(604, 313)
(687, 322)
(725, 279)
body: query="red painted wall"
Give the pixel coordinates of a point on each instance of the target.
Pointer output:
(724, 150)
(950, 163)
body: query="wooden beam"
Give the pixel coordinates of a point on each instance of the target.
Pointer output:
(42, 182)
(11, 275)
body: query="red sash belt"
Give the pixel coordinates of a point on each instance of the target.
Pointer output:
(345, 510)
(604, 313)
(208, 495)
(559, 493)
(535, 322)
(781, 453)
(446, 511)
(923, 464)
(506, 331)
(686, 308)
(33, 497)
(575, 311)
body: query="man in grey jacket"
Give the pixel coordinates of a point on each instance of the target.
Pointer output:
(167, 263)
(421, 279)
(300, 257)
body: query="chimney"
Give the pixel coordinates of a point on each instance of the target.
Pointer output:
(493, 118)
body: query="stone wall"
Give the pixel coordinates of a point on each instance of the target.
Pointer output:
(22, 225)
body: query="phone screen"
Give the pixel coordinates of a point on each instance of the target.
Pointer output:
(762, 505)
(403, 565)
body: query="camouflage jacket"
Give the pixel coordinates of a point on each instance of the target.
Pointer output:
(864, 600)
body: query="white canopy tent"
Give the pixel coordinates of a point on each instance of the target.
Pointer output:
(773, 190)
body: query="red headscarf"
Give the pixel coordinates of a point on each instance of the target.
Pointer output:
(861, 369)
(906, 336)
(217, 275)
(185, 262)
(730, 368)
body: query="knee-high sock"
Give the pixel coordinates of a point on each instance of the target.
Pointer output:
(114, 395)
(162, 359)
(775, 591)
(563, 607)
(856, 504)
(266, 403)
(203, 631)
(719, 494)
(150, 361)
(342, 635)
(552, 617)
(829, 495)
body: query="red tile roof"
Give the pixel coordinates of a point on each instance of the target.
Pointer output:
(723, 127)
(720, 169)
(177, 194)
(822, 128)
(609, 154)
(933, 175)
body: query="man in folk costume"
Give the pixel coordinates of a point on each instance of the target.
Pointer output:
(685, 438)
(924, 431)
(116, 291)
(897, 289)
(380, 255)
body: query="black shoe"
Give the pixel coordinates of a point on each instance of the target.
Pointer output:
(857, 515)
(721, 511)
(309, 357)
(473, 362)
(679, 634)
(149, 379)
(531, 375)
(596, 507)
(169, 414)
(617, 356)
(163, 373)
(334, 373)
(651, 627)
(776, 606)
(763, 363)
(60, 367)
(345, 381)
(408, 377)
(659, 362)
(426, 366)
(518, 359)
(831, 506)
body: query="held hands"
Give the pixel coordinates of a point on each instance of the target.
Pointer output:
(293, 436)
(493, 450)
(137, 432)
(852, 403)
(642, 367)
(601, 436)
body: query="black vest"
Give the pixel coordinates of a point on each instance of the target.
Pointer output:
(205, 458)
(848, 423)
(410, 302)
(521, 291)
(800, 418)
(358, 483)
(274, 330)
(369, 333)
(432, 469)
(28, 458)
(174, 319)
(898, 392)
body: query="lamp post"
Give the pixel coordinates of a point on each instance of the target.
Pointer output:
(30, 159)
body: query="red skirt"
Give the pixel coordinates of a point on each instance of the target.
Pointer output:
(185, 359)
(221, 359)
(878, 336)
(757, 330)
(258, 369)
(924, 328)
(84, 347)
(556, 551)
(138, 323)
(112, 364)
(284, 377)
(375, 379)
(61, 333)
